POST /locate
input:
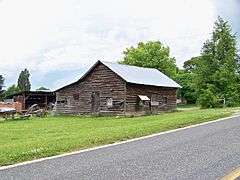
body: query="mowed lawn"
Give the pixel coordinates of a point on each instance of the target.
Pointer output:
(22, 140)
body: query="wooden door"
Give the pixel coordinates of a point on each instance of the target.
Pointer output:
(95, 100)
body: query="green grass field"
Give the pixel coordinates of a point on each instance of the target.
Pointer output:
(22, 140)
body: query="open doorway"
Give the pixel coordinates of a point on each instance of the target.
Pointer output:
(95, 100)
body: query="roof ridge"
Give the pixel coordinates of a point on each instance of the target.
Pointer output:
(129, 65)
(151, 76)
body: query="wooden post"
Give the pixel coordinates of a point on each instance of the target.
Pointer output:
(46, 103)
(125, 98)
(24, 102)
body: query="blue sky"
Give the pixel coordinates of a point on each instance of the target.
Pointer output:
(58, 40)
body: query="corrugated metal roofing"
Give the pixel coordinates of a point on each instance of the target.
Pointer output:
(136, 75)
(140, 75)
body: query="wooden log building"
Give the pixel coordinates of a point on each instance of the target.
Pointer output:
(115, 89)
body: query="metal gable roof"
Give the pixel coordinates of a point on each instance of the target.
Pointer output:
(140, 75)
(134, 74)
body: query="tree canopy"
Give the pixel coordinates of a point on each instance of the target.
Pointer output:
(217, 70)
(1, 86)
(152, 54)
(11, 90)
(42, 89)
(191, 65)
(186, 80)
(1, 82)
(23, 81)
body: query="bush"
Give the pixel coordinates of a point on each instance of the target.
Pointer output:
(232, 99)
(208, 99)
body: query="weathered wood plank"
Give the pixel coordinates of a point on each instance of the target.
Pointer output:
(124, 95)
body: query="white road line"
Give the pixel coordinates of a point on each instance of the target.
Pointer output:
(114, 144)
(232, 175)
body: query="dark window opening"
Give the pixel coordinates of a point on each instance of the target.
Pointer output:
(76, 97)
(165, 100)
(63, 102)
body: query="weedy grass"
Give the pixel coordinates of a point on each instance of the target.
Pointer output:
(43, 137)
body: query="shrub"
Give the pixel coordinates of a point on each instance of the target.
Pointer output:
(208, 99)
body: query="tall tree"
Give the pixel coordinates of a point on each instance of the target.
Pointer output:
(1, 82)
(1, 87)
(217, 71)
(152, 54)
(23, 81)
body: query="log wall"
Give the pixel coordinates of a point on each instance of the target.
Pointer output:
(77, 98)
(161, 99)
(101, 79)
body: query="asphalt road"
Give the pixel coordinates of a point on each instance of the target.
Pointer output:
(204, 152)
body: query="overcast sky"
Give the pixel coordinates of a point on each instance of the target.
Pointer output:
(58, 39)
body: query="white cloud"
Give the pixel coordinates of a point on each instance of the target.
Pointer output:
(47, 36)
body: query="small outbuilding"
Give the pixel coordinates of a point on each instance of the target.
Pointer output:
(116, 89)
(28, 98)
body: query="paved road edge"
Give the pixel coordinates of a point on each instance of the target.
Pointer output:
(114, 144)
(232, 175)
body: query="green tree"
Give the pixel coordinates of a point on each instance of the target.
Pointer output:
(1, 87)
(207, 99)
(151, 54)
(1, 82)
(42, 89)
(217, 71)
(191, 65)
(23, 81)
(186, 80)
(11, 90)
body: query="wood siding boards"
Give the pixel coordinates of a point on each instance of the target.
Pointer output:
(108, 84)
(101, 79)
(132, 102)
